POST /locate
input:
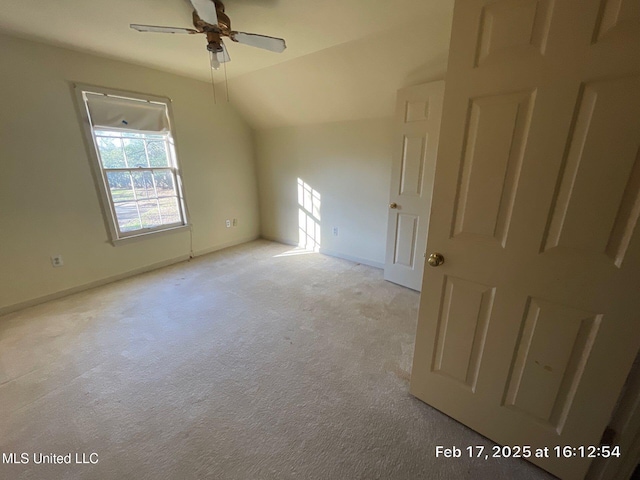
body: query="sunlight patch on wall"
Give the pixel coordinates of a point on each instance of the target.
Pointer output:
(309, 201)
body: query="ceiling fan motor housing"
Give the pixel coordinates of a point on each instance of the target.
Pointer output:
(214, 32)
(214, 42)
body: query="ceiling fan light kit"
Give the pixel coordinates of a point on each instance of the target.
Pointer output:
(209, 18)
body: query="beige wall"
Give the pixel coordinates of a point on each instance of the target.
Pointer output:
(318, 117)
(48, 202)
(349, 164)
(350, 81)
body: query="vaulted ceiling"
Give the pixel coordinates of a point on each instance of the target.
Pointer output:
(345, 58)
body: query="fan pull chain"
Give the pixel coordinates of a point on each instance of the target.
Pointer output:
(226, 82)
(213, 87)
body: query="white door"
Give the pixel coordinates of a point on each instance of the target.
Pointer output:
(417, 128)
(527, 331)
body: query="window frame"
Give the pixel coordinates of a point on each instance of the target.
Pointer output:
(107, 204)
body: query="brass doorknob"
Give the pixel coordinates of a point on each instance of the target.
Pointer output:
(435, 259)
(393, 205)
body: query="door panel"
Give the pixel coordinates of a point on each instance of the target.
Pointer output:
(618, 15)
(496, 135)
(527, 332)
(563, 337)
(406, 239)
(510, 28)
(462, 330)
(413, 160)
(591, 193)
(418, 113)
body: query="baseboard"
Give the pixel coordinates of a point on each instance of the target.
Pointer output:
(330, 253)
(87, 286)
(279, 240)
(351, 258)
(120, 276)
(222, 246)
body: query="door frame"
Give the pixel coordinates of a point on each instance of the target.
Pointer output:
(626, 423)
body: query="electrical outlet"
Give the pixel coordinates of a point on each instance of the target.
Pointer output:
(335, 231)
(56, 261)
(228, 223)
(235, 222)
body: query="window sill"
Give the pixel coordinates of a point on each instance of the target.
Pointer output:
(143, 236)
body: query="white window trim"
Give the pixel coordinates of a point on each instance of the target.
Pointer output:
(108, 210)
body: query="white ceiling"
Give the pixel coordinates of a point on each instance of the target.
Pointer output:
(102, 27)
(345, 58)
(354, 80)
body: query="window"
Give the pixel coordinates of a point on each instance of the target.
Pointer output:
(134, 161)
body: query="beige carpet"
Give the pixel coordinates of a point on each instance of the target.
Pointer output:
(246, 364)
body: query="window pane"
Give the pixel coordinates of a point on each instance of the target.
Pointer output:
(111, 152)
(136, 156)
(120, 186)
(157, 154)
(149, 214)
(169, 210)
(164, 183)
(127, 215)
(143, 181)
(108, 133)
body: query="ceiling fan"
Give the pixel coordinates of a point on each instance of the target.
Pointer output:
(209, 18)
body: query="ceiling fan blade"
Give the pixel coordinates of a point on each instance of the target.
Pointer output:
(206, 10)
(157, 29)
(261, 41)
